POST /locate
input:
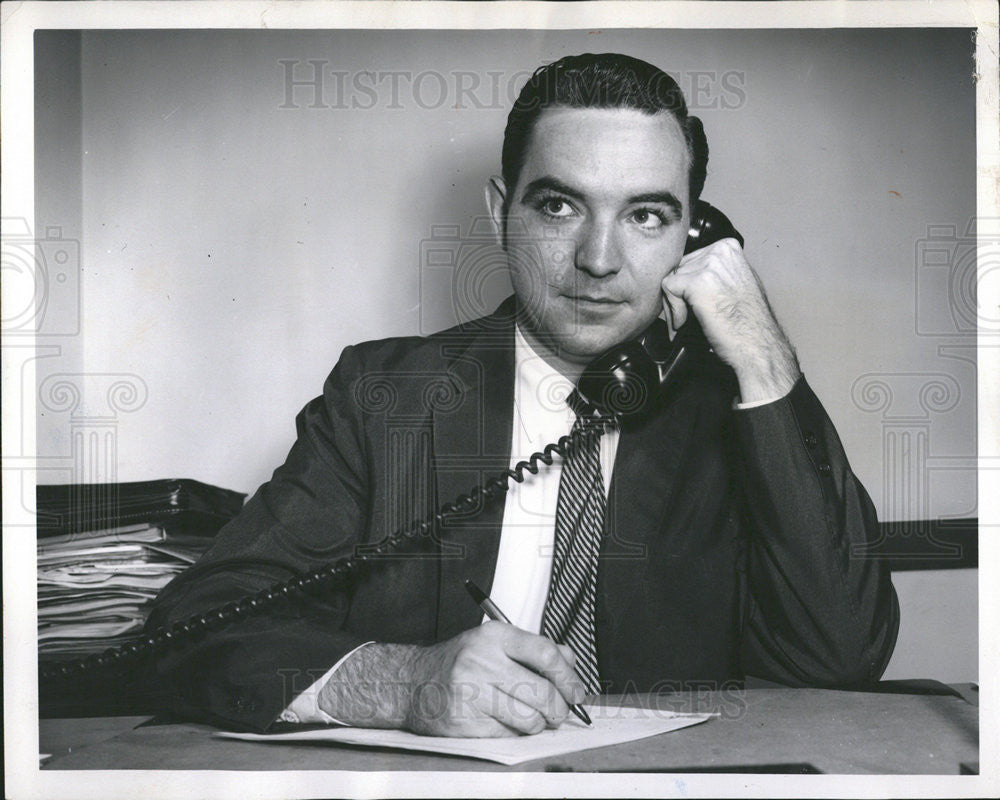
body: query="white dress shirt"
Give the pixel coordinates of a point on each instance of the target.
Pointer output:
(541, 415)
(524, 560)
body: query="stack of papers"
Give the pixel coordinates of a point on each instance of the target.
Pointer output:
(95, 587)
(106, 549)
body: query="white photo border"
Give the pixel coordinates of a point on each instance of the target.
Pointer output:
(20, 20)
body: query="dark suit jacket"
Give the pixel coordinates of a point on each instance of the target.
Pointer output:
(728, 548)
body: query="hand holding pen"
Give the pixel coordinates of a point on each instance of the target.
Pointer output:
(490, 680)
(494, 613)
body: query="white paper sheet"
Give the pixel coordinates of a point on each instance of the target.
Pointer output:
(612, 725)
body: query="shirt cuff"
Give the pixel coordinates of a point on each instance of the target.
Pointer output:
(755, 403)
(305, 709)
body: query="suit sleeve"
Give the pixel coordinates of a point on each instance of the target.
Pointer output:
(818, 611)
(312, 511)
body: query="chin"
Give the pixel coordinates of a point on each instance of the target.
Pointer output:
(584, 343)
(580, 337)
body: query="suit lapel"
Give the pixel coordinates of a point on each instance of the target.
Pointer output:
(471, 445)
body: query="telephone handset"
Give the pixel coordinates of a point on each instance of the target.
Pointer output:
(622, 383)
(625, 380)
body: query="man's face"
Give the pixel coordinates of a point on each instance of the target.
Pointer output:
(597, 219)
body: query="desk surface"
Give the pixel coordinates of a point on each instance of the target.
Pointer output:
(833, 731)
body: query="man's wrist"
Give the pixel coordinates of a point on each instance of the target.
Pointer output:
(372, 689)
(769, 377)
(305, 707)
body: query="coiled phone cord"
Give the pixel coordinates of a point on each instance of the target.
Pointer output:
(326, 578)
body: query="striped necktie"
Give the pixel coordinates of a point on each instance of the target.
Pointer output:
(568, 617)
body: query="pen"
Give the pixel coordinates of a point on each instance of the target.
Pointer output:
(490, 610)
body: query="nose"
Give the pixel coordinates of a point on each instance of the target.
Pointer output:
(598, 250)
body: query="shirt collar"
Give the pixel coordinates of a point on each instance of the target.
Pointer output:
(541, 390)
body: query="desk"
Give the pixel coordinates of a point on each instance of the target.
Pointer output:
(834, 731)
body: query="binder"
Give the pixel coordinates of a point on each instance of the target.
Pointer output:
(174, 502)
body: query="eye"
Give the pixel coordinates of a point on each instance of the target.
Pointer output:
(555, 207)
(648, 219)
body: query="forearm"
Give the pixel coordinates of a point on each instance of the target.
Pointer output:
(244, 672)
(819, 611)
(311, 513)
(766, 366)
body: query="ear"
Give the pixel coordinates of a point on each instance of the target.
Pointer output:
(496, 194)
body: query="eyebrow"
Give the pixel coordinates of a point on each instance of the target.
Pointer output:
(666, 198)
(548, 183)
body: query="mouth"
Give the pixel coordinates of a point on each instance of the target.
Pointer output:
(596, 300)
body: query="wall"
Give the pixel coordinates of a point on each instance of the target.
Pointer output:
(236, 234)
(938, 627)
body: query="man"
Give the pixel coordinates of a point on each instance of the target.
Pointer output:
(709, 540)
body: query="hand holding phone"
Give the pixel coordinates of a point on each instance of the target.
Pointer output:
(719, 287)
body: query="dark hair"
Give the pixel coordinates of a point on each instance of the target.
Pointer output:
(602, 80)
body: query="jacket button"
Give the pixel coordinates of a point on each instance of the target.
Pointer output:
(810, 439)
(238, 704)
(824, 469)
